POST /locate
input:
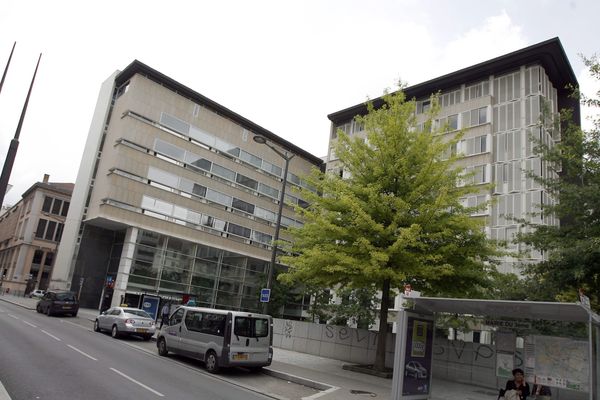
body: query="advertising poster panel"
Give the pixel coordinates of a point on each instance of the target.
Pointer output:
(418, 359)
(150, 304)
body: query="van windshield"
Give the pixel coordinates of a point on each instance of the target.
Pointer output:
(251, 327)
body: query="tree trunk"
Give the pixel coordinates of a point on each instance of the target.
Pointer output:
(382, 336)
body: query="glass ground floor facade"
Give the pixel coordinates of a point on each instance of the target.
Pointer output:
(178, 270)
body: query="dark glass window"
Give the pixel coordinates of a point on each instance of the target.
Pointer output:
(251, 327)
(242, 205)
(39, 233)
(49, 259)
(199, 190)
(238, 230)
(248, 182)
(202, 164)
(50, 230)
(65, 209)
(37, 257)
(47, 204)
(59, 231)
(56, 206)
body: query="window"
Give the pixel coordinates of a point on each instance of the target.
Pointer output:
(50, 230)
(238, 230)
(243, 206)
(47, 204)
(199, 190)
(453, 122)
(218, 197)
(56, 207)
(169, 149)
(176, 317)
(248, 182)
(251, 327)
(41, 228)
(223, 172)
(213, 324)
(268, 190)
(65, 209)
(59, 232)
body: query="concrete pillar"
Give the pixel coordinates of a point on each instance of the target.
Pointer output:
(124, 265)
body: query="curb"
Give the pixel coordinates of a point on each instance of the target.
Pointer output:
(298, 379)
(16, 304)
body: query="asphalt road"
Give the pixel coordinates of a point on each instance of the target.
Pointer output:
(62, 358)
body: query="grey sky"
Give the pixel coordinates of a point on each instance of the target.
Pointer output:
(283, 64)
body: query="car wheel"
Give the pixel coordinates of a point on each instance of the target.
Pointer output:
(147, 337)
(38, 309)
(115, 332)
(256, 369)
(162, 347)
(48, 312)
(211, 362)
(97, 326)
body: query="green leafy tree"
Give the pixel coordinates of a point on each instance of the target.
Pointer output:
(357, 306)
(573, 247)
(397, 217)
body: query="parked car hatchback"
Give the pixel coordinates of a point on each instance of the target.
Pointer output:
(122, 321)
(58, 302)
(38, 294)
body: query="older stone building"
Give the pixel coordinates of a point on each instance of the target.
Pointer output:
(30, 232)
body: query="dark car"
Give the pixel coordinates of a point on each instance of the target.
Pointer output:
(58, 302)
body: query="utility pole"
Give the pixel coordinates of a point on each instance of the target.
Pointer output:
(14, 143)
(7, 64)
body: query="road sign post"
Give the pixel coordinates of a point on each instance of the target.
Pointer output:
(265, 295)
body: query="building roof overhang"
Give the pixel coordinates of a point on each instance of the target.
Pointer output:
(535, 310)
(137, 67)
(549, 54)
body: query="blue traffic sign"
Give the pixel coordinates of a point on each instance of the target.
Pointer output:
(265, 295)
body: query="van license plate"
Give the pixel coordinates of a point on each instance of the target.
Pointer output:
(240, 357)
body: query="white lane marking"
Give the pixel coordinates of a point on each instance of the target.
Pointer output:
(51, 335)
(81, 352)
(71, 323)
(323, 393)
(30, 324)
(3, 393)
(13, 316)
(137, 382)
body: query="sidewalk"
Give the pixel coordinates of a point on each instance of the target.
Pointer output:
(325, 374)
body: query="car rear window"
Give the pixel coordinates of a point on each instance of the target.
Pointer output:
(251, 327)
(139, 313)
(65, 296)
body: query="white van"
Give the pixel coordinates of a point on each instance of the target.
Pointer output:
(220, 338)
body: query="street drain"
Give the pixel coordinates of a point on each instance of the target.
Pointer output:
(363, 393)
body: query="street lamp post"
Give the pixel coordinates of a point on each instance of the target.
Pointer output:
(287, 157)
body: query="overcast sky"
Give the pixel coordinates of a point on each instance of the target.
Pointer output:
(284, 65)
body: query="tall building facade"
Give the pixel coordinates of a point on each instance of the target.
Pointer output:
(499, 104)
(174, 198)
(30, 233)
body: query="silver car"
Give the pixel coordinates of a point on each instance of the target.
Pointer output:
(126, 321)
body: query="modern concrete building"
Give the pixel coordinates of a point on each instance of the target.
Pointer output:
(499, 104)
(30, 233)
(174, 198)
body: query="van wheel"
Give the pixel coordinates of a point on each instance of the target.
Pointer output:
(115, 332)
(97, 326)
(162, 347)
(212, 363)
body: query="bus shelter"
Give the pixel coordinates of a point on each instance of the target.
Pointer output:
(555, 361)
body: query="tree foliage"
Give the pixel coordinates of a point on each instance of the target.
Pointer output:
(572, 248)
(396, 218)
